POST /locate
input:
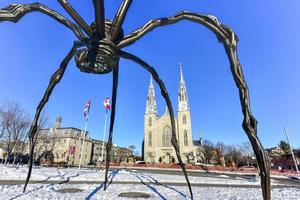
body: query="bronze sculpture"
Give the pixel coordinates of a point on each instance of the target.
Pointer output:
(98, 50)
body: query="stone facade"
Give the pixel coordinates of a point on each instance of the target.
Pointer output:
(157, 130)
(121, 154)
(97, 152)
(63, 145)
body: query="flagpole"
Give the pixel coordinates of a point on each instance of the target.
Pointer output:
(85, 128)
(291, 149)
(104, 130)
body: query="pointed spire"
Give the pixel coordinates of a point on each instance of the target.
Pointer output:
(200, 138)
(151, 102)
(151, 81)
(181, 74)
(183, 102)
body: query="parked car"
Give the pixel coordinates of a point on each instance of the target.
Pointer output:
(21, 159)
(247, 168)
(140, 162)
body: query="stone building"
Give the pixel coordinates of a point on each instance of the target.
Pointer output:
(121, 154)
(157, 130)
(63, 145)
(118, 154)
(97, 151)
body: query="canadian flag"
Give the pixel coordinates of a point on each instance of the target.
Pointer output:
(106, 103)
(87, 108)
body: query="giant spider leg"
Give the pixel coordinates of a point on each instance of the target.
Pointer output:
(15, 12)
(112, 121)
(54, 80)
(229, 40)
(77, 18)
(119, 19)
(99, 17)
(165, 94)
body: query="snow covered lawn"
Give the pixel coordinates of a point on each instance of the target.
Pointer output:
(150, 186)
(47, 191)
(73, 174)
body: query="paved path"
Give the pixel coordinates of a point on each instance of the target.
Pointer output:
(16, 182)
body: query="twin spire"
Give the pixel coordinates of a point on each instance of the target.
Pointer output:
(151, 102)
(183, 102)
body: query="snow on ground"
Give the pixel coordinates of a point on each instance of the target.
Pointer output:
(73, 174)
(48, 192)
(157, 191)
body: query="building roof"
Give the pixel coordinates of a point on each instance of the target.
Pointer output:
(196, 143)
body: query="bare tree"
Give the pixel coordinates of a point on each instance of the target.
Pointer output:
(209, 151)
(284, 147)
(14, 127)
(247, 151)
(42, 123)
(132, 148)
(42, 136)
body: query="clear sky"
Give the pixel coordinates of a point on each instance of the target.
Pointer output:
(269, 33)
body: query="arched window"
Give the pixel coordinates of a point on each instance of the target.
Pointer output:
(150, 121)
(150, 139)
(184, 119)
(166, 137)
(185, 135)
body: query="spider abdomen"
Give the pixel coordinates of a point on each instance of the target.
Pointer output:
(99, 58)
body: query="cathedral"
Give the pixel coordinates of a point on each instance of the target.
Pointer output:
(157, 146)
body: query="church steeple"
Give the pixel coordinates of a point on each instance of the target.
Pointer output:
(151, 102)
(183, 101)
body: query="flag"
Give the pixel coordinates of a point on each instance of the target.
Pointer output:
(106, 103)
(87, 108)
(72, 150)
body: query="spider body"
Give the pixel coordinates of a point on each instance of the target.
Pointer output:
(101, 54)
(100, 57)
(98, 49)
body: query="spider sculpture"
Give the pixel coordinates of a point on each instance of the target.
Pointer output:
(98, 49)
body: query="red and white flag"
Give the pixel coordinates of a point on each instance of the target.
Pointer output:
(106, 103)
(87, 108)
(72, 150)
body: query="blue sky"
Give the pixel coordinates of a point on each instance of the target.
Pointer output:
(269, 33)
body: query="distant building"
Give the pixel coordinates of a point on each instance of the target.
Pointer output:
(157, 130)
(121, 154)
(97, 151)
(63, 145)
(279, 159)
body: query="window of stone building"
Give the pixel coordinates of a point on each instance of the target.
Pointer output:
(185, 135)
(166, 136)
(150, 139)
(184, 119)
(150, 121)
